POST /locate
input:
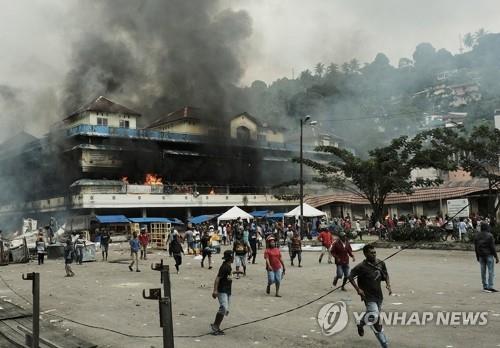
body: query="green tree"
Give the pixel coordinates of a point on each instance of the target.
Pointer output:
(319, 69)
(476, 151)
(386, 169)
(332, 69)
(469, 40)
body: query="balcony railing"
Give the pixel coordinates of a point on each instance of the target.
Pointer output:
(148, 134)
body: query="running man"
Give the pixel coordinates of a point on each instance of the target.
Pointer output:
(369, 274)
(222, 291)
(134, 249)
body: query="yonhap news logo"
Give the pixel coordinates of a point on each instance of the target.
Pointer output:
(334, 317)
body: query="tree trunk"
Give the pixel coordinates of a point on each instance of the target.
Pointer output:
(378, 210)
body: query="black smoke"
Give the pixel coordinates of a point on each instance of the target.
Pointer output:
(159, 55)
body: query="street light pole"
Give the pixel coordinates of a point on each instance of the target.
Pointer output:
(301, 178)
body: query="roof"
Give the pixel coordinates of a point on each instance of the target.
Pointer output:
(100, 182)
(235, 213)
(148, 220)
(259, 213)
(17, 141)
(307, 211)
(102, 104)
(276, 216)
(202, 218)
(250, 117)
(420, 195)
(186, 112)
(112, 219)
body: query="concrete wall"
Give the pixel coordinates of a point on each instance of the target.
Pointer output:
(159, 201)
(243, 121)
(185, 127)
(96, 158)
(113, 119)
(272, 136)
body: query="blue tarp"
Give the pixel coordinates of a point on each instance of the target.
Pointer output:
(202, 218)
(176, 221)
(276, 216)
(112, 219)
(259, 213)
(148, 220)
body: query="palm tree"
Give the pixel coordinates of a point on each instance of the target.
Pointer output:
(346, 68)
(332, 69)
(469, 40)
(354, 65)
(319, 69)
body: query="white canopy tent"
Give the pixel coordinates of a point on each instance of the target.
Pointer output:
(234, 213)
(308, 211)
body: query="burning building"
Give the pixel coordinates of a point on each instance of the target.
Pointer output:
(98, 161)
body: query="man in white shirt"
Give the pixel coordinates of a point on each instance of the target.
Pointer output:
(462, 228)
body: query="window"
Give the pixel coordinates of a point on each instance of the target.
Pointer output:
(124, 124)
(102, 121)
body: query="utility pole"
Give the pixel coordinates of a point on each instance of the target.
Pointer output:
(301, 177)
(164, 302)
(34, 338)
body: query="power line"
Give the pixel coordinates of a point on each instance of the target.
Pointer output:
(230, 327)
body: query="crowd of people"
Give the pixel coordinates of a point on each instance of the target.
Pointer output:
(240, 242)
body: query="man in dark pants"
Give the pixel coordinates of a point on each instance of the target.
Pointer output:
(252, 239)
(105, 240)
(222, 291)
(369, 274)
(177, 251)
(485, 252)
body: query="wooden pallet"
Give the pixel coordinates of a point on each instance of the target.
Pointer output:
(158, 234)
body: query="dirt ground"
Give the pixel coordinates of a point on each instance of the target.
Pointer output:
(109, 295)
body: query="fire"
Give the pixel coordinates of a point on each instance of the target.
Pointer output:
(124, 179)
(153, 179)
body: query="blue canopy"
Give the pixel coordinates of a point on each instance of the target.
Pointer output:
(176, 221)
(202, 218)
(276, 216)
(259, 213)
(148, 220)
(112, 219)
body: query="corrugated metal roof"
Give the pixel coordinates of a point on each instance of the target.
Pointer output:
(420, 195)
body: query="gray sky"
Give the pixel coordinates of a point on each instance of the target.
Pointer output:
(296, 34)
(36, 37)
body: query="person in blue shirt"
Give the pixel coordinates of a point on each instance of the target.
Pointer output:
(134, 249)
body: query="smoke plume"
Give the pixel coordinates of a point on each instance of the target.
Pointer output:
(158, 55)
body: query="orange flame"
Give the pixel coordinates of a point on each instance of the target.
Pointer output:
(153, 179)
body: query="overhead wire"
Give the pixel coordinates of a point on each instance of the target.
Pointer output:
(233, 326)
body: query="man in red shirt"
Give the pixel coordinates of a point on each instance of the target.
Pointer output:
(341, 250)
(325, 237)
(274, 265)
(144, 241)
